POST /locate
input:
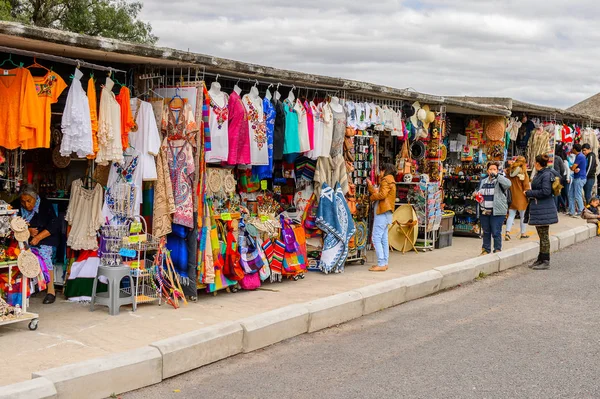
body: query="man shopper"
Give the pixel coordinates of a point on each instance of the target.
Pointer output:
(579, 169)
(591, 160)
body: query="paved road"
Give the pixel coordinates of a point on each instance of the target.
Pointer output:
(520, 334)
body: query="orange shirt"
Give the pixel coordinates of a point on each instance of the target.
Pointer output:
(127, 122)
(93, 103)
(19, 105)
(48, 88)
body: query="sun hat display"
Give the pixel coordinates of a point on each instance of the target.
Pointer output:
(414, 118)
(19, 226)
(215, 181)
(495, 129)
(28, 264)
(58, 160)
(407, 110)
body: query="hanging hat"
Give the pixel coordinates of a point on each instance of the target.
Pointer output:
(58, 160)
(215, 182)
(417, 150)
(426, 116)
(414, 119)
(495, 129)
(28, 264)
(407, 110)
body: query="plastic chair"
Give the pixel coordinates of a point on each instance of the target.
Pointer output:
(115, 297)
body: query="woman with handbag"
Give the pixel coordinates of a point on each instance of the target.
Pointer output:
(493, 207)
(542, 210)
(384, 199)
(519, 179)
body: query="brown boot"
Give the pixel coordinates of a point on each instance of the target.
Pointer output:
(378, 268)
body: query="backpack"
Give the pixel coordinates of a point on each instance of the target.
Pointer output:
(508, 194)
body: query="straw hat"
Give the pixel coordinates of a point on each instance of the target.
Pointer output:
(414, 118)
(20, 228)
(28, 264)
(495, 129)
(428, 116)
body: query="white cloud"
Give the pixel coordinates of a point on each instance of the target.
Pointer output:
(540, 51)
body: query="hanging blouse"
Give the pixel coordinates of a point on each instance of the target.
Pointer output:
(48, 87)
(127, 122)
(130, 172)
(146, 138)
(339, 132)
(179, 123)
(317, 113)
(291, 144)
(310, 119)
(76, 123)
(218, 122)
(352, 114)
(239, 136)
(84, 215)
(302, 126)
(110, 148)
(259, 148)
(93, 104)
(327, 129)
(181, 169)
(278, 130)
(266, 171)
(19, 118)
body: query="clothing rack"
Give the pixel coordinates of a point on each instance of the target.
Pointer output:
(57, 58)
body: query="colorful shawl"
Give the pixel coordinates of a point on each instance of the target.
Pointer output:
(335, 220)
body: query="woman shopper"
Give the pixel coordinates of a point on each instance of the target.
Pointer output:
(493, 207)
(561, 165)
(542, 211)
(517, 174)
(384, 199)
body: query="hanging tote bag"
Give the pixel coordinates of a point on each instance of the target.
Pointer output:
(232, 269)
(250, 258)
(295, 262)
(288, 235)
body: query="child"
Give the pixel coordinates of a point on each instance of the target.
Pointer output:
(592, 212)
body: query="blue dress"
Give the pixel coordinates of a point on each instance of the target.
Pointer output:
(266, 171)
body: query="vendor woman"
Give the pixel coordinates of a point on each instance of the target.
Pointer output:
(44, 228)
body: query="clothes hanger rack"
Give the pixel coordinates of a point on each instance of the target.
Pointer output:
(62, 60)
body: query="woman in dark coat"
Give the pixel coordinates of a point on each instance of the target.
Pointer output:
(44, 228)
(542, 209)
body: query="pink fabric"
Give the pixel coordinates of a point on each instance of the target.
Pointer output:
(311, 125)
(239, 134)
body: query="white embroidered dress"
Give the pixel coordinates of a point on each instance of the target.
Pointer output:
(84, 215)
(110, 148)
(76, 124)
(259, 148)
(146, 139)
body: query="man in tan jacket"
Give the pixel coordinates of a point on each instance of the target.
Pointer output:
(384, 199)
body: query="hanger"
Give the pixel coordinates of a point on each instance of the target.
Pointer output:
(9, 59)
(36, 65)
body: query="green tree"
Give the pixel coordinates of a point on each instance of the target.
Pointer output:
(117, 19)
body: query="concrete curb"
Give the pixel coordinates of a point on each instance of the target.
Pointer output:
(123, 372)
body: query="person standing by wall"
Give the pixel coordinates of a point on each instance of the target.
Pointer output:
(492, 207)
(542, 211)
(579, 169)
(384, 199)
(592, 162)
(519, 179)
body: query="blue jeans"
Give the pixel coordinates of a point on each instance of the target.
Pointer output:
(381, 224)
(588, 187)
(492, 227)
(576, 196)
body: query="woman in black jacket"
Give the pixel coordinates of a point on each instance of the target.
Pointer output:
(44, 227)
(542, 210)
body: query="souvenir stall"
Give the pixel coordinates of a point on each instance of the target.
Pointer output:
(471, 143)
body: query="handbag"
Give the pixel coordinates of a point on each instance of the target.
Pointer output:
(295, 262)
(250, 282)
(288, 235)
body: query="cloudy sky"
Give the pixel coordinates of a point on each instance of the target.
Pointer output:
(541, 51)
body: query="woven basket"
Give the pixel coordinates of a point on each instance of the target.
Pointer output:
(495, 129)
(28, 264)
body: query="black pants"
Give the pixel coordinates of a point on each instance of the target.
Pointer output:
(544, 233)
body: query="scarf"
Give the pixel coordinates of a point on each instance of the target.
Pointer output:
(28, 215)
(334, 219)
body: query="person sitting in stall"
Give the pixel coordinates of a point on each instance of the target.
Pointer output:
(44, 228)
(592, 212)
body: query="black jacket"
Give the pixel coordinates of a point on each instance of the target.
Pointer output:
(591, 165)
(542, 208)
(45, 219)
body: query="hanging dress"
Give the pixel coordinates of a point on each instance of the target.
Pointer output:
(93, 105)
(144, 137)
(317, 113)
(266, 171)
(339, 132)
(76, 124)
(310, 119)
(239, 136)
(291, 145)
(19, 118)
(327, 115)
(218, 122)
(278, 130)
(128, 173)
(110, 148)
(302, 127)
(84, 215)
(259, 148)
(127, 121)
